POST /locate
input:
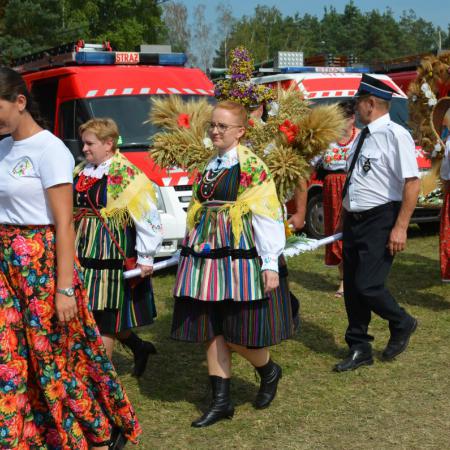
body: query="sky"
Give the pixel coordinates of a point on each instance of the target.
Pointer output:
(435, 11)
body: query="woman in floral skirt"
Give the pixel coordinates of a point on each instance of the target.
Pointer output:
(231, 291)
(333, 173)
(58, 389)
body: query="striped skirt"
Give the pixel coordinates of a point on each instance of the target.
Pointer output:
(219, 291)
(332, 202)
(444, 239)
(116, 306)
(58, 389)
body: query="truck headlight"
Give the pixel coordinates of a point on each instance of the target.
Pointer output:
(159, 200)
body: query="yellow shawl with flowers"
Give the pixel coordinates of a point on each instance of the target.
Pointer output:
(129, 191)
(257, 194)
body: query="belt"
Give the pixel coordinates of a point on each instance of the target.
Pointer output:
(334, 172)
(362, 215)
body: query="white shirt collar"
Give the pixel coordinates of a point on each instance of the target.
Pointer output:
(378, 123)
(90, 170)
(226, 161)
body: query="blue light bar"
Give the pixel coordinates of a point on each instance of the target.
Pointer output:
(153, 59)
(172, 59)
(306, 69)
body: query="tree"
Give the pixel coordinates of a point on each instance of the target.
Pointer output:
(202, 37)
(175, 18)
(225, 22)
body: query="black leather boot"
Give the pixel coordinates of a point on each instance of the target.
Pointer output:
(141, 352)
(270, 376)
(220, 407)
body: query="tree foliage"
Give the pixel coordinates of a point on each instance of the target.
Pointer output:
(370, 36)
(32, 25)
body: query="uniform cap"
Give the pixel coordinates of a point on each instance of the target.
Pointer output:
(373, 86)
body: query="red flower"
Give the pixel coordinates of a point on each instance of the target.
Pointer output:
(337, 157)
(183, 121)
(263, 175)
(116, 179)
(335, 150)
(289, 129)
(251, 123)
(130, 171)
(246, 179)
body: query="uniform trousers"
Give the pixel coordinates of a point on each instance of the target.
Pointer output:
(367, 262)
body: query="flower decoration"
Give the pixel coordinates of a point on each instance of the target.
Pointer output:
(289, 129)
(183, 120)
(238, 86)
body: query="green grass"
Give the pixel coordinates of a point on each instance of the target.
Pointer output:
(403, 404)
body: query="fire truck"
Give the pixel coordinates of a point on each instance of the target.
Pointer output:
(76, 82)
(327, 84)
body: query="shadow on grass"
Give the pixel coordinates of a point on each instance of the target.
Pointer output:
(178, 372)
(312, 281)
(412, 276)
(318, 339)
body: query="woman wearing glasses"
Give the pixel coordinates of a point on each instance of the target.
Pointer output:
(229, 291)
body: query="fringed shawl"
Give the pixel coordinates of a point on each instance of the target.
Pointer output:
(129, 191)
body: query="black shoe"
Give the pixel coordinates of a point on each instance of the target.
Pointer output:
(398, 344)
(220, 407)
(270, 376)
(355, 359)
(117, 441)
(141, 358)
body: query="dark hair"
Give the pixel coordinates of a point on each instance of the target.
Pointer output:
(11, 86)
(347, 108)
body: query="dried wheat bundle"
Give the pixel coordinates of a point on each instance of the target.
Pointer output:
(317, 130)
(287, 169)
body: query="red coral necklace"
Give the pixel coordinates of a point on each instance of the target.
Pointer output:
(84, 183)
(352, 136)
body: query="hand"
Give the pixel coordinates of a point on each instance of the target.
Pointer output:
(270, 280)
(297, 220)
(65, 307)
(397, 240)
(146, 271)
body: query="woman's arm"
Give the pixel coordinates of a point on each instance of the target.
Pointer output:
(148, 238)
(270, 240)
(61, 204)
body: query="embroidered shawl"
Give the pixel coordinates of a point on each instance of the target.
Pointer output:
(129, 191)
(257, 194)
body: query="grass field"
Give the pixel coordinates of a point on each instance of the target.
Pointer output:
(404, 404)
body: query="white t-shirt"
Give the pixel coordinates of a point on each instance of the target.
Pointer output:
(27, 168)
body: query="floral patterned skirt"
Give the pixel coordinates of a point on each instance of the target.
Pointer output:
(58, 389)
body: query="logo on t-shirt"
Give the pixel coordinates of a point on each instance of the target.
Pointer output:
(23, 168)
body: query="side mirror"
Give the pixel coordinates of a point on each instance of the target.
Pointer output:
(74, 145)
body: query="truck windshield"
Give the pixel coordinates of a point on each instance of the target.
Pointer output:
(398, 110)
(131, 113)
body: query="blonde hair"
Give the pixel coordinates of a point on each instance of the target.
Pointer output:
(104, 128)
(236, 108)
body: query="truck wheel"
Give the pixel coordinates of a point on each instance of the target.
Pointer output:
(314, 217)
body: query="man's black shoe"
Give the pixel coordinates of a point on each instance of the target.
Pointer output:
(398, 344)
(355, 359)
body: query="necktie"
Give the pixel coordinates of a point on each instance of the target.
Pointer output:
(364, 133)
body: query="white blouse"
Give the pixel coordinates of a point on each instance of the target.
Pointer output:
(149, 234)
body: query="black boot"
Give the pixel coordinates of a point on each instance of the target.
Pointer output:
(220, 407)
(270, 376)
(141, 351)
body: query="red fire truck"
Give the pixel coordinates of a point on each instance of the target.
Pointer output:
(78, 81)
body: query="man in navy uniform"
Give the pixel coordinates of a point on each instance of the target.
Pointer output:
(379, 196)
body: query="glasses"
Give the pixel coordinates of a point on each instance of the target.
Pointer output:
(221, 127)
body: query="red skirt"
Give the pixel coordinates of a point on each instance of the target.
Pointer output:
(332, 203)
(58, 389)
(444, 238)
